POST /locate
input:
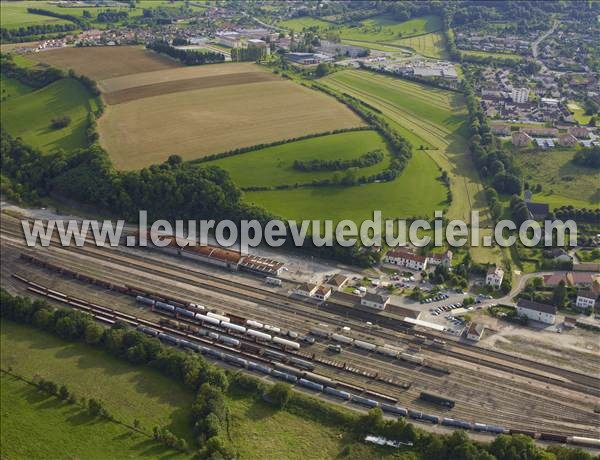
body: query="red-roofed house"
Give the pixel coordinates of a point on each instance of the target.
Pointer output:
(405, 258)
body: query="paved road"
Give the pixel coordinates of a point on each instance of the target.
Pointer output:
(536, 43)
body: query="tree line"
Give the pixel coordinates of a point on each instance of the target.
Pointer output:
(210, 413)
(187, 57)
(490, 160)
(363, 161)
(34, 77)
(53, 14)
(588, 157)
(591, 216)
(248, 54)
(112, 16)
(24, 33)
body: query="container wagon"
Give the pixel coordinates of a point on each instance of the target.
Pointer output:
(393, 409)
(435, 399)
(302, 363)
(342, 338)
(456, 423)
(309, 384)
(283, 376)
(319, 332)
(365, 345)
(219, 317)
(286, 343)
(553, 437)
(364, 401)
(254, 324)
(338, 393)
(258, 335)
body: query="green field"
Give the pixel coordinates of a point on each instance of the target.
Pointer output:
(431, 45)
(436, 119)
(578, 112)
(129, 392)
(513, 56)
(273, 166)
(381, 29)
(14, 14)
(37, 426)
(415, 193)
(563, 182)
(297, 24)
(29, 115)
(10, 88)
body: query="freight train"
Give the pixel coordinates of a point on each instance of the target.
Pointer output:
(232, 323)
(385, 349)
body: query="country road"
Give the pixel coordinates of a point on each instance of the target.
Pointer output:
(536, 43)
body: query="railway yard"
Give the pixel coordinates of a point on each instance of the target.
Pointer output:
(267, 331)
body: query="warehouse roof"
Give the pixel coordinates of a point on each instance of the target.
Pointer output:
(536, 306)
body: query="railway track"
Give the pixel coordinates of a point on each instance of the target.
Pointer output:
(473, 411)
(107, 315)
(294, 313)
(570, 380)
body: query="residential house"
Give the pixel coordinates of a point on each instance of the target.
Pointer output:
(586, 299)
(444, 259)
(338, 281)
(521, 139)
(374, 301)
(494, 277)
(322, 293)
(306, 289)
(579, 132)
(475, 332)
(501, 130)
(567, 140)
(404, 257)
(538, 211)
(537, 311)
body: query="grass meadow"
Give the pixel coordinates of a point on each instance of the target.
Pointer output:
(563, 182)
(28, 114)
(381, 29)
(435, 119)
(128, 392)
(432, 45)
(273, 166)
(416, 192)
(34, 426)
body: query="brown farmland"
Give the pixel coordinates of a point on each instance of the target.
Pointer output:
(200, 122)
(175, 86)
(180, 73)
(102, 62)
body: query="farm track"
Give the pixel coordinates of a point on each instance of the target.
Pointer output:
(468, 409)
(264, 296)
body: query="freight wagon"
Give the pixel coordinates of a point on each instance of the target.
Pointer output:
(435, 399)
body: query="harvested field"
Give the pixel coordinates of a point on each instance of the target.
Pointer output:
(103, 62)
(180, 73)
(211, 120)
(167, 87)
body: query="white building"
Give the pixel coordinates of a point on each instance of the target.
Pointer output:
(306, 289)
(586, 299)
(374, 301)
(230, 39)
(322, 293)
(475, 332)
(520, 95)
(494, 277)
(537, 311)
(444, 259)
(405, 258)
